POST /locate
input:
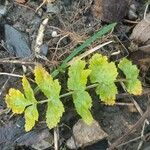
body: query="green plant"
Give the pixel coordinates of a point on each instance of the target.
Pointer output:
(82, 47)
(103, 75)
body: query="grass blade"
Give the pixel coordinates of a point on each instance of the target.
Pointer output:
(81, 48)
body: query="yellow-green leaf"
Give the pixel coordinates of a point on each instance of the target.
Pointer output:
(44, 80)
(107, 93)
(28, 90)
(104, 73)
(16, 101)
(51, 89)
(31, 115)
(83, 104)
(77, 82)
(78, 76)
(20, 103)
(131, 72)
(54, 113)
(134, 87)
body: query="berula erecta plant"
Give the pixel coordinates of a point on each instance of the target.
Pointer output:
(102, 74)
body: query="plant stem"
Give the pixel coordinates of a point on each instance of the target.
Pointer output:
(67, 94)
(70, 93)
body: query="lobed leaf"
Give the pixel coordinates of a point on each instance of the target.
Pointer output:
(83, 103)
(77, 82)
(78, 76)
(43, 80)
(54, 113)
(20, 103)
(134, 87)
(131, 72)
(31, 115)
(16, 101)
(107, 93)
(51, 89)
(105, 74)
(29, 94)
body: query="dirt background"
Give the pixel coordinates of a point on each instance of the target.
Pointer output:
(74, 21)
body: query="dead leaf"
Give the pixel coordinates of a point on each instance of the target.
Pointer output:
(141, 34)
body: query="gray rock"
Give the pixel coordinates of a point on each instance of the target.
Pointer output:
(86, 135)
(44, 144)
(44, 49)
(16, 42)
(132, 12)
(13, 134)
(2, 10)
(3, 7)
(52, 8)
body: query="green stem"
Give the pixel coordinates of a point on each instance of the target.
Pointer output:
(70, 93)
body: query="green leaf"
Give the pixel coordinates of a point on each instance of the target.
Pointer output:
(105, 74)
(107, 93)
(131, 72)
(83, 104)
(78, 76)
(88, 42)
(134, 87)
(51, 89)
(31, 115)
(16, 101)
(43, 80)
(77, 82)
(54, 113)
(20, 103)
(28, 90)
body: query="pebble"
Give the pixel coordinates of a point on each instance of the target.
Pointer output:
(54, 34)
(3, 7)
(85, 135)
(132, 12)
(52, 8)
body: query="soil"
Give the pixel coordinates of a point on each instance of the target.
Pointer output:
(74, 22)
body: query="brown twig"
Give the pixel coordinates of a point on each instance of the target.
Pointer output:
(17, 62)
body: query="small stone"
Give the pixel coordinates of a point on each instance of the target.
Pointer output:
(3, 7)
(44, 49)
(2, 10)
(52, 8)
(132, 12)
(86, 135)
(54, 34)
(40, 12)
(42, 145)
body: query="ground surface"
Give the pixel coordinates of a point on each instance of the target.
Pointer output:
(74, 21)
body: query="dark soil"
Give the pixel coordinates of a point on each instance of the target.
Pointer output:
(76, 22)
